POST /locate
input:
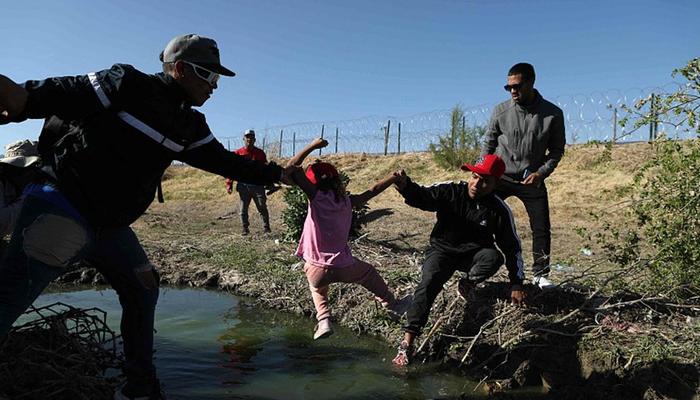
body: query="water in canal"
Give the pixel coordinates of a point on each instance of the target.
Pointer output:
(210, 345)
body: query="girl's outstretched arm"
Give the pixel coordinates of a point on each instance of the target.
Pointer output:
(298, 158)
(381, 185)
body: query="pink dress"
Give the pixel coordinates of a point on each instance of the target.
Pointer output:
(324, 248)
(324, 240)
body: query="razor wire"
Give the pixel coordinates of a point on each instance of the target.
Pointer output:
(588, 118)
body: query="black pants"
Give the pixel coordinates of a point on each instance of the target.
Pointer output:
(438, 267)
(256, 193)
(536, 202)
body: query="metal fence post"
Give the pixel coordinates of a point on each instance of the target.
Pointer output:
(386, 136)
(614, 138)
(264, 140)
(652, 133)
(398, 141)
(323, 127)
(336, 140)
(280, 149)
(294, 143)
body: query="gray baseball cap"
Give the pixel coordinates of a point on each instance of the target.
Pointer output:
(197, 50)
(21, 153)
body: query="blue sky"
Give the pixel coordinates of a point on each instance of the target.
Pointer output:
(336, 60)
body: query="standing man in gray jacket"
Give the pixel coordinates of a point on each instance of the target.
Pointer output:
(527, 132)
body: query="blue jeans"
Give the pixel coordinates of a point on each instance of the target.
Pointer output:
(50, 237)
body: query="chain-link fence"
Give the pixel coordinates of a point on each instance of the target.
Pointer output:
(588, 117)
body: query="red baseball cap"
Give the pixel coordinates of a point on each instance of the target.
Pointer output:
(489, 165)
(319, 171)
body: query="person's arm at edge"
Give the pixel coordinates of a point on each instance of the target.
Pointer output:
(13, 100)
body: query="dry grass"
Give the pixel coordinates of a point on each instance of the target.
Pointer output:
(588, 180)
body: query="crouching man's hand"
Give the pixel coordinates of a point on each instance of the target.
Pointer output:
(517, 295)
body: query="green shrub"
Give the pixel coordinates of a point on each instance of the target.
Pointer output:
(668, 211)
(665, 214)
(461, 144)
(294, 215)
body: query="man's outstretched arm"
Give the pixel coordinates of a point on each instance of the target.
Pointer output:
(13, 100)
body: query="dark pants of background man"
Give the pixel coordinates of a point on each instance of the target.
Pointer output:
(257, 194)
(479, 264)
(536, 202)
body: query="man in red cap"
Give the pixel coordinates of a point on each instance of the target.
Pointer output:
(469, 218)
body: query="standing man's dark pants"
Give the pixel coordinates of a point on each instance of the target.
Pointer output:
(256, 193)
(479, 264)
(536, 202)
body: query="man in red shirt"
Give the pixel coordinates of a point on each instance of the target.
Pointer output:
(248, 191)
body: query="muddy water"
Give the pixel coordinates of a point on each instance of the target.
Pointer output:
(210, 345)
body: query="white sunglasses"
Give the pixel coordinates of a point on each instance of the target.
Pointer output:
(210, 77)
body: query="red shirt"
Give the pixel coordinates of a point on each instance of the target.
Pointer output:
(254, 154)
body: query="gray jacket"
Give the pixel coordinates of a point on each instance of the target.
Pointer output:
(526, 138)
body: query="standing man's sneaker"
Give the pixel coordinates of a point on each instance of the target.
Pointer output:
(245, 232)
(267, 230)
(543, 283)
(464, 288)
(323, 329)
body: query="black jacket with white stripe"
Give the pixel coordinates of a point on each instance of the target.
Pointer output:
(465, 224)
(113, 134)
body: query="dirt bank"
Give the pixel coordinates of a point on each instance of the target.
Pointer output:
(568, 340)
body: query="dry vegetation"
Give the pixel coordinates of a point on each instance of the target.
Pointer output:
(574, 337)
(585, 181)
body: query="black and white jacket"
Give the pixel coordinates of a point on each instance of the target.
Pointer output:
(464, 224)
(114, 132)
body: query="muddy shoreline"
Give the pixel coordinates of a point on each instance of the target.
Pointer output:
(565, 358)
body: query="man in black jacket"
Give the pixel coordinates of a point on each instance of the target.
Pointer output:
(469, 217)
(108, 139)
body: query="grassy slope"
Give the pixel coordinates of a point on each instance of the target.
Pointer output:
(587, 180)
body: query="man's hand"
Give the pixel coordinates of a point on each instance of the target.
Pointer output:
(229, 189)
(401, 179)
(517, 295)
(288, 174)
(532, 179)
(319, 143)
(13, 99)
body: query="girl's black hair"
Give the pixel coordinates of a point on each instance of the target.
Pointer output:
(333, 184)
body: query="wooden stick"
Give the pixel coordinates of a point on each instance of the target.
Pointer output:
(437, 324)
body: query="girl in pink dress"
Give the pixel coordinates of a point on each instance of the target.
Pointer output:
(324, 240)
